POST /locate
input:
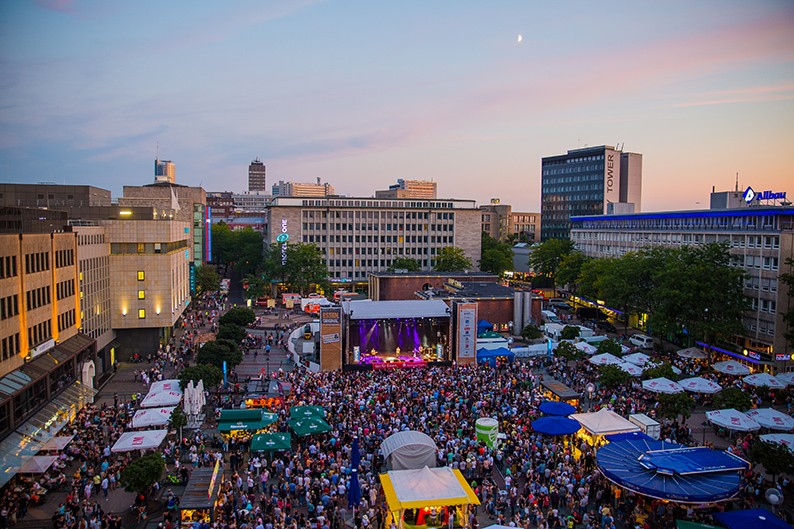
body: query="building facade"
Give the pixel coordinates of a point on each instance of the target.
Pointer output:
(501, 223)
(164, 171)
(302, 189)
(760, 240)
(52, 196)
(257, 176)
(410, 189)
(589, 181)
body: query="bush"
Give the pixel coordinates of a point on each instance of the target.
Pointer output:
(241, 316)
(675, 405)
(609, 346)
(569, 332)
(141, 474)
(230, 331)
(531, 332)
(611, 376)
(733, 397)
(211, 375)
(664, 369)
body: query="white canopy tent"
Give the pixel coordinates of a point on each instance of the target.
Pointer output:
(639, 359)
(731, 367)
(604, 422)
(585, 347)
(662, 385)
(764, 379)
(605, 359)
(772, 419)
(144, 440)
(171, 384)
(692, 352)
(408, 449)
(161, 398)
(786, 378)
(146, 417)
(37, 464)
(785, 439)
(57, 443)
(632, 369)
(700, 385)
(732, 420)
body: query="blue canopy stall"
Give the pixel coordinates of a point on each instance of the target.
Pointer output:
(489, 356)
(631, 436)
(556, 426)
(750, 519)
(670, 471)
(484, 326)
(554, 407)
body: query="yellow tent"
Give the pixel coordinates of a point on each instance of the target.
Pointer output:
(430, 489)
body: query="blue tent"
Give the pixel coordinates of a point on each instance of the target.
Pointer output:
(750, 519)
(553, 407)
(488, 356)
(670, 471)
(631, 436)
(483, 326)
(556, 426)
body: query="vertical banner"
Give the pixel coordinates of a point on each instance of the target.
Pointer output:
(330, 339)
(466, 332)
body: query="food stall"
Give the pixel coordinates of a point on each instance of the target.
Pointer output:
(197, 503)
(596, 425)
(557, 391)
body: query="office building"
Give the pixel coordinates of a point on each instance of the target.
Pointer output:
(500, 222)
(257, 176)
(589, 181)
(164, 171)
(52, 196)
(220, 204)
(410, 189)
(302, 189)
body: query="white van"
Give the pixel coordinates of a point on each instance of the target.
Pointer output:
(549, 317)
(642, 341)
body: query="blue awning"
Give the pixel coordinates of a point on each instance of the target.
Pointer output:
(670, 471)
(634, 436)
(556, 426)
(751, 519)
(489, 355)
(551, 407)
(484, 325)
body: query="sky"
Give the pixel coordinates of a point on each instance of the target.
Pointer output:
(360, 94)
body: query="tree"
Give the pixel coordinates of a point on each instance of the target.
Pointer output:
(611, 376)
(495, 257)
(452, 259)
(405, 263)
(569, 332)
(298, 266)
(787, 279)
(216, 352)
(609, 346)
(241, 316)
(675, 405)
(568, 351)
(733, 397)
(248, 246)
(178, 418)
(257, 287)
(222, 244)
(663, 369)
(142, 473)
(209, 374)
(570, 270)
(531, 332)
(207, 278)
(774, 457)
(546, 257)
(230, 331)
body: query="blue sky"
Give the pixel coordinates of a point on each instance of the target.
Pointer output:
(360, 94)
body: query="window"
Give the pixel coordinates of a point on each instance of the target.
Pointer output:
(140, 275)
(141, 247)
(141, 314)
(141, 294)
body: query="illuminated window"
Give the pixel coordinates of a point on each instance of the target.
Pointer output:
(141, 294)
(141, 247)
(141, 314)
(140, 275)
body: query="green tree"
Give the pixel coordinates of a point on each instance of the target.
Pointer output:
(568, 351)
(405, 263)
(299, 268)
(774, 457)
(611, 376)
(217, 351)
(222, 244)
(452, 259)
(496, 257)
(609, 346)
(207, 278)
(211, 375)
(257, 287)
(531, 332)
(675, 405)
(546, 257)
(178, 419)
(569, 271)
(663, 369)
(248, 245)
(241, 316)
(733, 397)
(142, 473)
(230, 331)
(787, 278)
(569, 332)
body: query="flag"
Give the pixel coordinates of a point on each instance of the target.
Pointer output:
(174, 201)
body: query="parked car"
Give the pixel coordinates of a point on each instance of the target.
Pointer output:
(641, 341)
(605, 326)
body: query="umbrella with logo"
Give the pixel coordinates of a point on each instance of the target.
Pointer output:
(764, 379)
(772, 419)
(785, 439)
(692, 352)
(556, 426)
(304, 412)
(632, 369)
(732, 420)
(354, 491)
(786, 378)
(700, 385)
(585, 347)
(662, 385)
(731, 367)
(308, 426)
(639, 359)
(249, 425)
(605, 359)
(271, 442)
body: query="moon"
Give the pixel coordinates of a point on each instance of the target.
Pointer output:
(520, 38)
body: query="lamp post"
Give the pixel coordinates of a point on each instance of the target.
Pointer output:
(590, 387)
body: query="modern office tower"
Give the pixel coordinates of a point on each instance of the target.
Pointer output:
(362, 235)
(589, 181)
(257, 176)
(410, 189)
(164, 171)
(52, 196)
(302, 189)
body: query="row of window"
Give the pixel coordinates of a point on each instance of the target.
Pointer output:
(147, 248)
(64, 258)
(757, 261)
(768, 306)
(37, 262)
(344, 226)
(8, 266)
(37, 297)
(39, 333)
(744, 223)
(9, 307)
(764, 284)
(396, 204)
(64, 289)
(319, 239)
(66, 320)
(97, 238)
(9, 347)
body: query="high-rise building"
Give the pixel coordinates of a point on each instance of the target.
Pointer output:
(302, 189)
(164, 171)
(257, 176)
(409, 189)
(589, 181)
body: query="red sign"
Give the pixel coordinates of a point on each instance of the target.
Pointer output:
(137, 441)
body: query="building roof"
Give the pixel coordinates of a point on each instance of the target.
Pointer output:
(472, 289)
(696, 213)
(382, 310)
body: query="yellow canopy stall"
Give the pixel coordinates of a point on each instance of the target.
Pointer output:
(428, 497)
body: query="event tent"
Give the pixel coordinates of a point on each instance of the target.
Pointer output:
(731, 367)
(764, 379)
(144, 440)
(273, 441)
(555, 407)
(785, 439)
(57, 443)
(586, 347)
(632, 369)
(786, 378)
(639, 359)
(37, 465)
(484, 326)
(732, 420)
(308, 426)
(692, 352)
(772, 419)
(161, 398)
(750, 519)
(604, 422)
(408, 449)
(146, 417)
(489, 356)
(305, 412)
(662, 385)
(427, 487)
(700, 385)
(555, 426)
(165, 385)
(605, 359)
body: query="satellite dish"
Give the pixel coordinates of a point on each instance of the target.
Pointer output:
(774, 496)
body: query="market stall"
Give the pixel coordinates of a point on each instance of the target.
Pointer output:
(197, 503)
(557, 391)
(596, 425)
(408, 449)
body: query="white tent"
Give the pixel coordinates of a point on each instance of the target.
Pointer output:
(733, 420)
(786, 378)
(171, 384)
(639, 359)
(187, 398)
(632, 369)
(692, 352)
(731, 367)
(37, 464)
(161, 398)
(408, 449)
(145, 440)
(772, 419)
(662, 385)
(785, 439)
(57, 443)
(152, 417)
(585, 347)
(700, 385)
(605, 359)
(604, 422)
(764, 379)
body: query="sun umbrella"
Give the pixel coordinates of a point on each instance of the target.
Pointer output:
(585, 347)
(354, 491)
(700, 385)
(605, 359)
(733, 420)
(271, 441)
(731, 367)
(772, 419)
(691, 352)
(786, 378)
(750, 519)
(308, 426)
(785, 439)
(764, 379)
(553, 407)
(555, 426)
(632, 369)
(37, 464)
(662, 385)
(639, 359)
(303, 412)
(624, 349)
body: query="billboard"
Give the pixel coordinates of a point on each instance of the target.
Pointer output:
(466, 332)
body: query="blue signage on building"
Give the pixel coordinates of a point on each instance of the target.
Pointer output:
(750, 195)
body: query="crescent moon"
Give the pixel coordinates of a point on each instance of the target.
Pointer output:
(520, 38)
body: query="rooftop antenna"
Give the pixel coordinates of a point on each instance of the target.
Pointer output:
(737, 181)
(157, 151)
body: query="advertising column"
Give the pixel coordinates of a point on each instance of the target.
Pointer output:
(466, 331)
(330, 339)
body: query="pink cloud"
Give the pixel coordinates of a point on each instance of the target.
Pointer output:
(743, 95)
(63, 6)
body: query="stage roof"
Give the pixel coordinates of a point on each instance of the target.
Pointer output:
(426, 487)
(387, 310)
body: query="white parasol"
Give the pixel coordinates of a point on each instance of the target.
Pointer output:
(772, 419)
(662, 385)
(764, 379)
(786, 378)
(585, 347)
(639, 359)
(188, 397)
(692, 352)
(733, 420)
(632, 369)
(700, 385)
(605, 359)
(731, 367)
(785, 439)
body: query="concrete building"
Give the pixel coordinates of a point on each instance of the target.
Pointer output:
(52, 196)
(501, 222)
(359, 236)
(589, 181)
(257, 176)
(220, 204)
(760, 238)
(164, 171)
(410, 189)
(252, 202)
(302, 189)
